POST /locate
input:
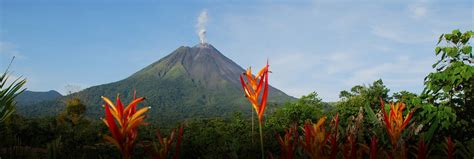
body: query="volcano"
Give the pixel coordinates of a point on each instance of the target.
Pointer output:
(190, 82)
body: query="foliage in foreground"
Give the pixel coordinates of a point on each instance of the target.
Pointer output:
(8, 92)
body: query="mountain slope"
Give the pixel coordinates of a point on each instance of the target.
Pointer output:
(194, 81)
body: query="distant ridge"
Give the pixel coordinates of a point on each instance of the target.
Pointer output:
(32, 97)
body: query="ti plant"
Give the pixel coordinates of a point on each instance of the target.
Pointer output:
(422, 149)
(8, 92)
(350, 148)
(253, 91)
(373, 148)
(123, 123)
(315, 138)
(449, 148)
(162, 149)
(288, 143)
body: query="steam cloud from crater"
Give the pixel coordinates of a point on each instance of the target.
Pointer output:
(201, 26)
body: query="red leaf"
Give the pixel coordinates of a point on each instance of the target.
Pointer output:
(422, 149)
(178, 143)
(449, 148)
(407, 120)
(134, 109)
(244, 86)
(119, 108)
(334, 139)
(264, 97)
(112, 125)
(385, 117)
(373, 148)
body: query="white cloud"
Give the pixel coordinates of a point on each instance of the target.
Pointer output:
(338, 62)
(418, 11)
(404, 71)
(403, 33)
(8, 49)
(332, 45)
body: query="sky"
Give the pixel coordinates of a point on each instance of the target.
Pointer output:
(322, 45)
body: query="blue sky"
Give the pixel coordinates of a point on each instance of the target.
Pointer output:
(323, 45)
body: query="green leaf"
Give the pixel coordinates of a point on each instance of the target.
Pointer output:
(466, 49)
(434, 65)
(456, 32)
(440, 38)
(448, 36)
(370, 113)
(431, 131)
(437, 50)
(465, 38)
(452, 52)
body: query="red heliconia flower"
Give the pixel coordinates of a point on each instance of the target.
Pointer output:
(254, 86)
(123, 123)
(395, 123)
(252, 89)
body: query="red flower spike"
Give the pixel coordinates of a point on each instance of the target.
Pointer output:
(123, 124)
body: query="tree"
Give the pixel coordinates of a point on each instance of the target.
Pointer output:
(410, 99)
(370, 93)
(452, 84)
(307, 107)
(73, 126)
(360, 96)
(8, 93)
(74, 112)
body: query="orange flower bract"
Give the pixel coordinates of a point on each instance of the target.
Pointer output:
(395, 123)
(254, 86)
(123, 123)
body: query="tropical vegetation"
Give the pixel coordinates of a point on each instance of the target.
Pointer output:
(367, 122)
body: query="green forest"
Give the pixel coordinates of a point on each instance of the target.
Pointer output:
(368, 121)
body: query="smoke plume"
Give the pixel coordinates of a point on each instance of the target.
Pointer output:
(201, 26)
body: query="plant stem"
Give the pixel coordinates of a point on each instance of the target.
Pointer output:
(261, 139)
(253, 127)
